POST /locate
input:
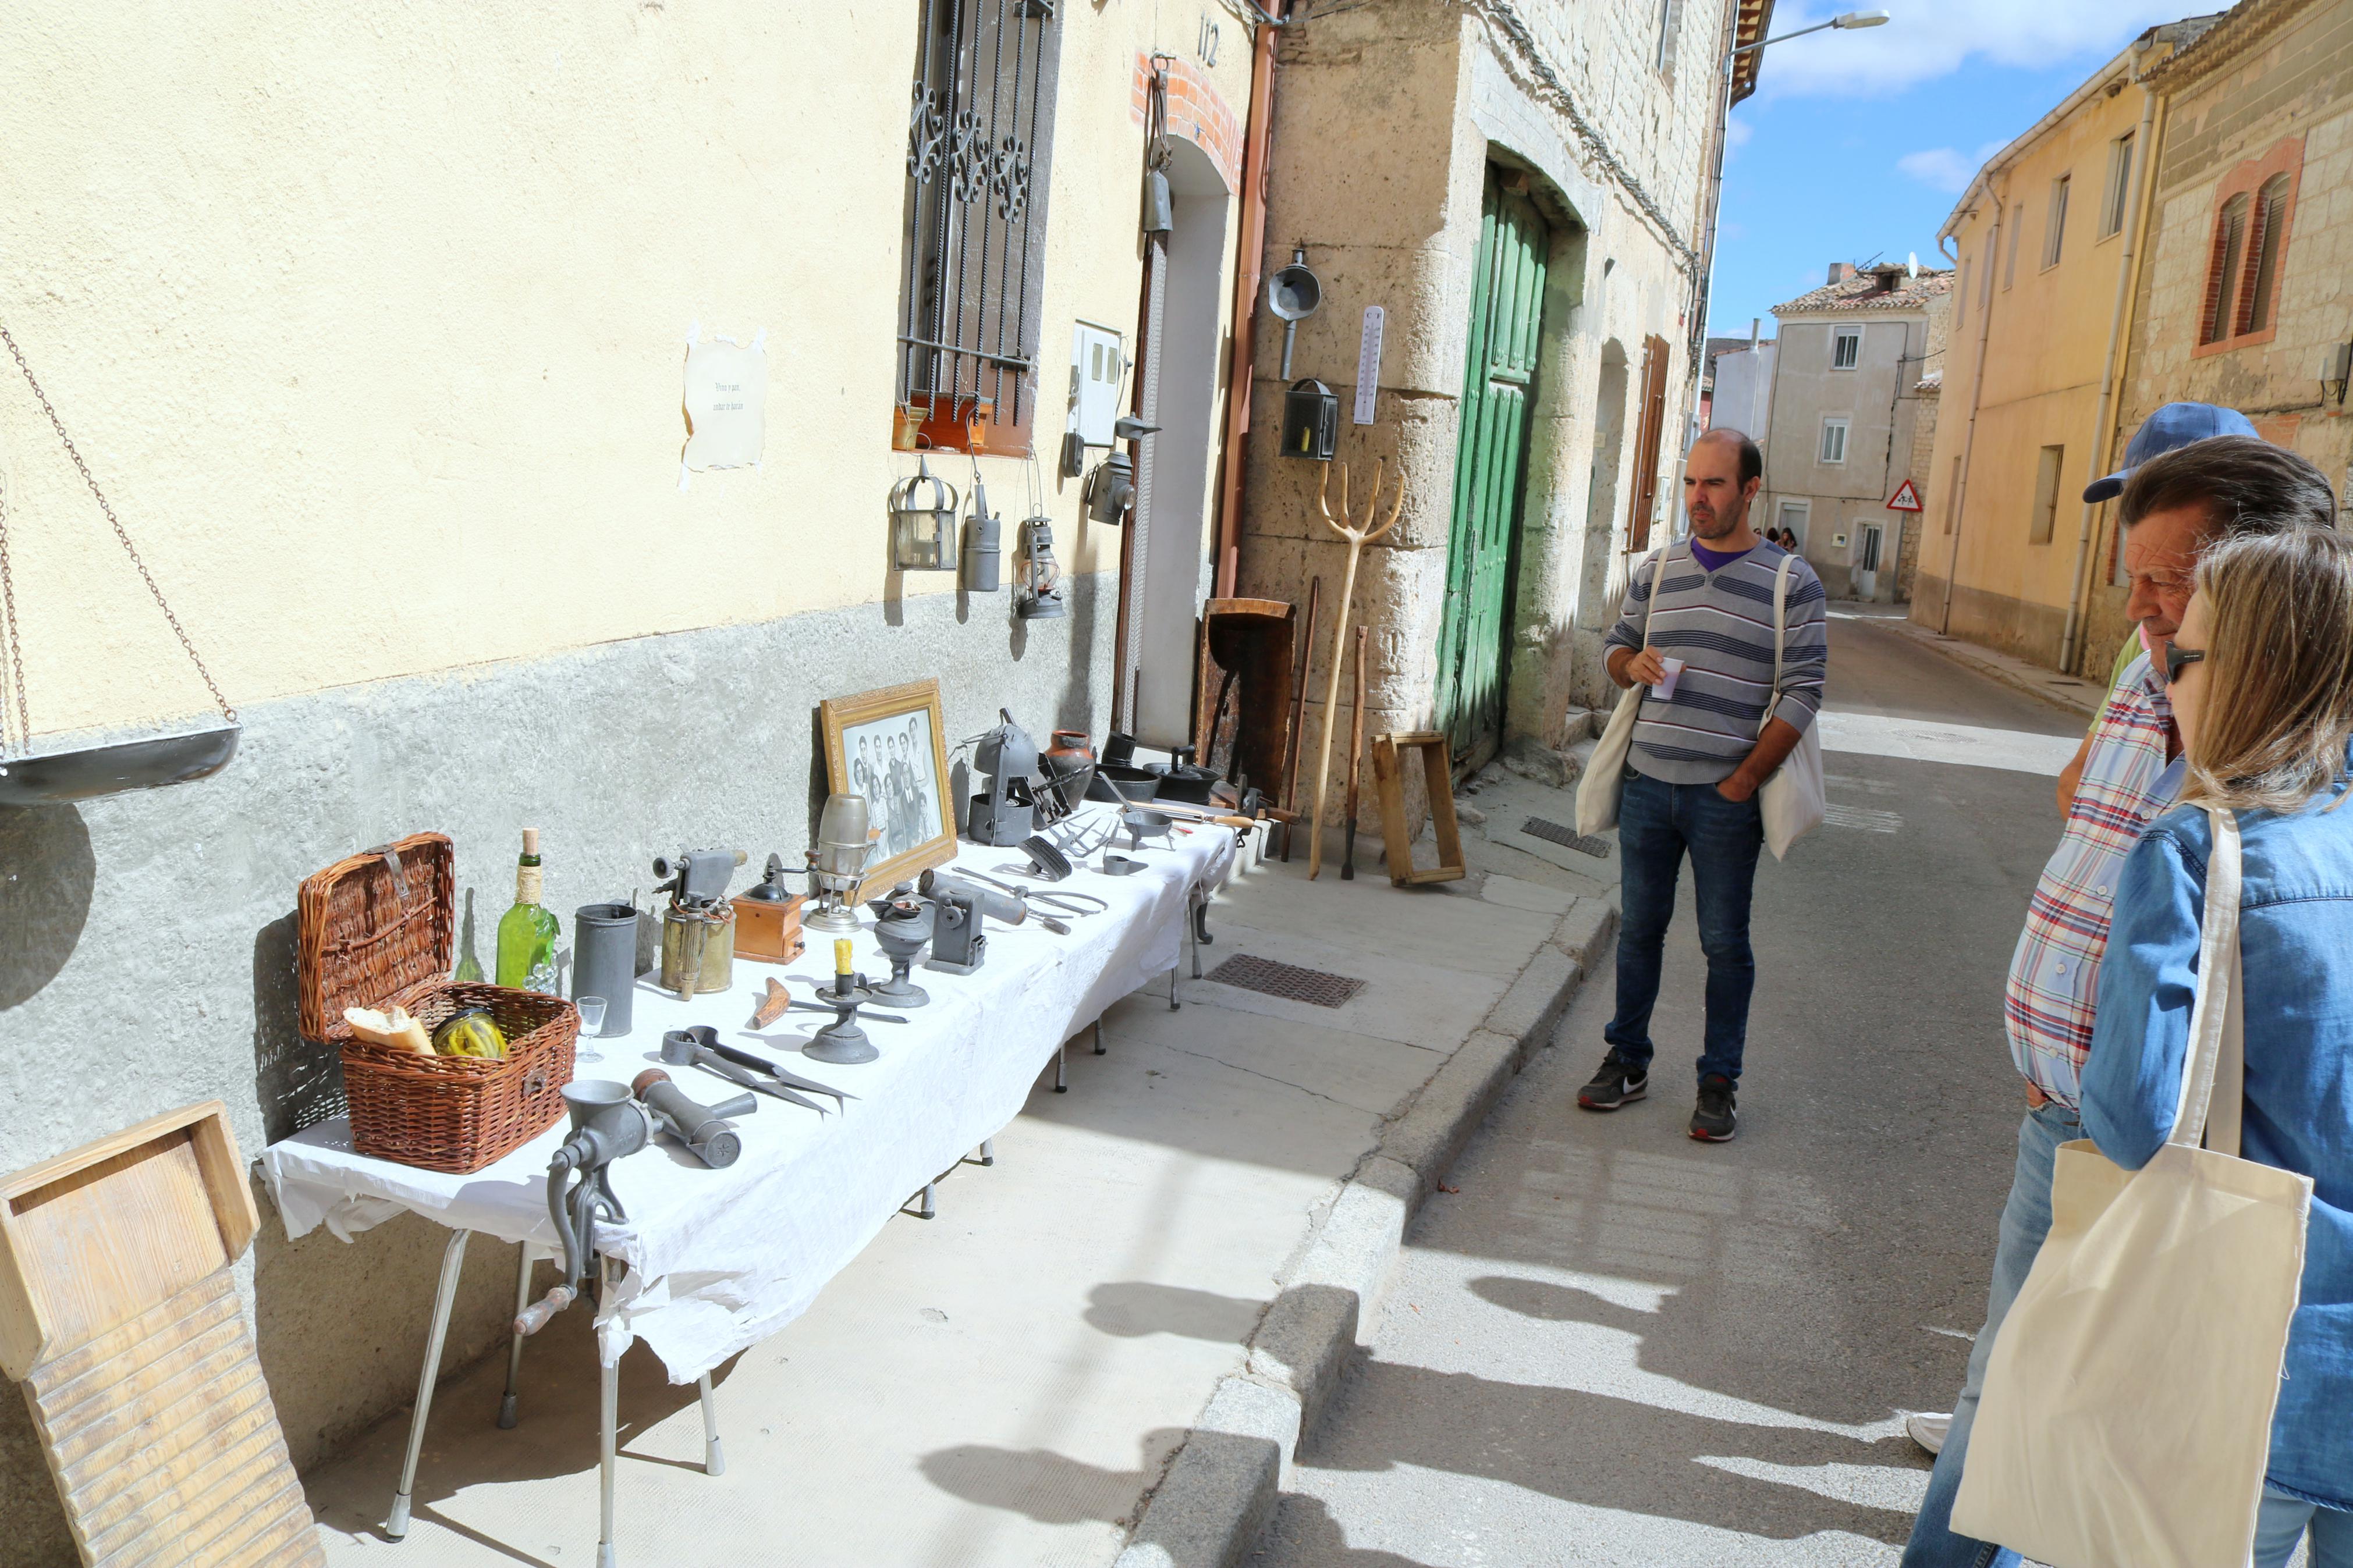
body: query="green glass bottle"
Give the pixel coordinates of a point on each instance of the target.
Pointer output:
(527, 932)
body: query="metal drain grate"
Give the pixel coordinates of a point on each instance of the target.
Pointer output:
(1287, 980)
(1537, 827)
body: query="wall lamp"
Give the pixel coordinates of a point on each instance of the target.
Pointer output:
(2335, 369)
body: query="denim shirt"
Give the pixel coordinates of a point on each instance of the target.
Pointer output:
(2295, 944)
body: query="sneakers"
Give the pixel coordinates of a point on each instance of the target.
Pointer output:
(1715, 1121)
(1929, 1431)
(1615, 1085)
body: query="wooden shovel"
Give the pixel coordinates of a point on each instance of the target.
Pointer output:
(1358, 538)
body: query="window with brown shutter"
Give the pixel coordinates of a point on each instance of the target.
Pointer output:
(2254, 211)
(1648, 438)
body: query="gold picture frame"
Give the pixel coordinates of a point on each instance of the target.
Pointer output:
(875, 746)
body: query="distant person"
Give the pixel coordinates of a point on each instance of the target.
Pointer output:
(2266, 722)
(1697, 761)
(2176, 507)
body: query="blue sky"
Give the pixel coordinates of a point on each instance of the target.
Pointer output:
(1858, 142)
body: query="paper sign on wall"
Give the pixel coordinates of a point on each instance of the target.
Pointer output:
(726, 401)
(1369, 366)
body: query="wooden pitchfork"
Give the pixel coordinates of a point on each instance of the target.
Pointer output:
(1357, 539)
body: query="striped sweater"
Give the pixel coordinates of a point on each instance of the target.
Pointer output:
(1720, 624)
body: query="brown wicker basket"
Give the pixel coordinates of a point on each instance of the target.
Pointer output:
(379, 928)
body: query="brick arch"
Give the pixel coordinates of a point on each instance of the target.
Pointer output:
(1195, 111)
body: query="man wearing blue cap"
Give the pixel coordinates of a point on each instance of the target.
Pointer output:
(2193, 476)
(2175, 424)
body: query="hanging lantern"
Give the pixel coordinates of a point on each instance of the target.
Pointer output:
(924, 522)
(1039, 597)
(1311, 421)
(1111, 490)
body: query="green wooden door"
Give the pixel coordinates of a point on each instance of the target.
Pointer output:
(1489, 465)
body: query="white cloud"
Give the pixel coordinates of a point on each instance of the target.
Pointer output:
(1924, 39)
(1737, 131)
(1944, 168)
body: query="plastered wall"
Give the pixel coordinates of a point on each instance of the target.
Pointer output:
(374, 327)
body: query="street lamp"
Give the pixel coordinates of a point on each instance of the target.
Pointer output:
(1851, 19)
(1704, 287)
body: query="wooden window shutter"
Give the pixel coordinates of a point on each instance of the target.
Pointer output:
(1647, 441)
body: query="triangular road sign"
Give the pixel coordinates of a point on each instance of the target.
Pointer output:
(1905, 499)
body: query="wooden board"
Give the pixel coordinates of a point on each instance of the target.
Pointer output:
(1389, 780)
(119, 1312)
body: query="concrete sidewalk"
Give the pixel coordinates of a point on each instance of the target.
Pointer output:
(1176, 1245)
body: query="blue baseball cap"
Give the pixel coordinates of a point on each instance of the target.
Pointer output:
(2175, 424)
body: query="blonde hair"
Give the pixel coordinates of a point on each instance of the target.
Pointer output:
(2279, 662)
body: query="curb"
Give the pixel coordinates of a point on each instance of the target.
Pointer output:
(2077, 695)
(1219, 1491)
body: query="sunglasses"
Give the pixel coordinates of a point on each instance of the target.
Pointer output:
(2178, 658)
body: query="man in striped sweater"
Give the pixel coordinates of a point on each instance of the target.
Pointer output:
(1703, 746)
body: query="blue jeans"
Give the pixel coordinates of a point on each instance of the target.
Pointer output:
(2025, 1221)
(1657, 824)
(2280, 1524)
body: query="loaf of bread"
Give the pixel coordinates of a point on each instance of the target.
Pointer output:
(396, 1029)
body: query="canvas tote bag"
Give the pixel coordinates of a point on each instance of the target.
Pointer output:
(1791, 801)
(2127, 1410)
(1604, 784)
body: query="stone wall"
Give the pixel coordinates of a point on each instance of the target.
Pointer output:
(1410, 104)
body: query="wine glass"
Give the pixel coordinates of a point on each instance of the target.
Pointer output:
(592, 1020)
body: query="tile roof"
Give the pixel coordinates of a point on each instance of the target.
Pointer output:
(1862, 292)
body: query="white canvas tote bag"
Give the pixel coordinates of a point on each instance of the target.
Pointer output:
(1791, 801)
(1604, 784)
(2127, 1410)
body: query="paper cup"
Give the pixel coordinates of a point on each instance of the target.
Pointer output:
(1675, 667)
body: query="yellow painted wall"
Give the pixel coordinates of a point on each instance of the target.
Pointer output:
(2045, 342)
(372, 323)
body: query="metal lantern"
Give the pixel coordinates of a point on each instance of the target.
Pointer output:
(924, 522)
(1039, 597)
(1310, 420)
(1110, 489)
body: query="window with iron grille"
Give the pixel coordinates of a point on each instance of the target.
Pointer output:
(980, 135)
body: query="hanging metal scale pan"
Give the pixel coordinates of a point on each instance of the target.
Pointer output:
(34, 776)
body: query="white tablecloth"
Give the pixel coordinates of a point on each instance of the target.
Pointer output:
(717, 1260)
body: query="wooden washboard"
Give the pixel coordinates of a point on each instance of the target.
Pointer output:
(119, 1315)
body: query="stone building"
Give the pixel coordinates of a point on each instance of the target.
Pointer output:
(1846, 404)
(2243, 298)
(1929, 393)
(2047, 235)
(375, 336)
(1523, 189)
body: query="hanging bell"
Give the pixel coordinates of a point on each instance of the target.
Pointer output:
(1040, 595)
(1159, 211)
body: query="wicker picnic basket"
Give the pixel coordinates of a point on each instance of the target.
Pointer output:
(380, 928)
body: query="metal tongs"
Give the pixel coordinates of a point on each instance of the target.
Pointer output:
(745, 1071)
(1068, 904)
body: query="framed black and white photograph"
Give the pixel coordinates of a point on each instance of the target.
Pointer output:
(886, 746)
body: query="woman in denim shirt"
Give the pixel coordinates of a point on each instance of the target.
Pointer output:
(2262, 676)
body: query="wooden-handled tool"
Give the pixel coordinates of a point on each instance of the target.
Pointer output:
(1357, 539)
(1356, 756)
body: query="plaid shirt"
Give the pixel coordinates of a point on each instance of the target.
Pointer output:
(2055, 975)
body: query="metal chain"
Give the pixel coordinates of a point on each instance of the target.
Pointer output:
(119, 533)
(12, 633)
